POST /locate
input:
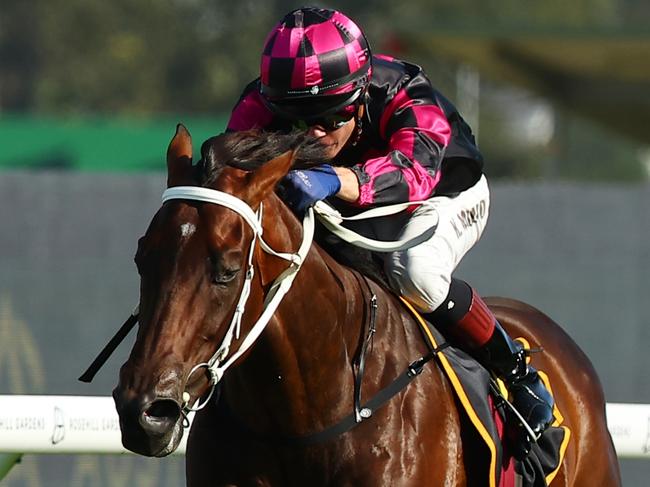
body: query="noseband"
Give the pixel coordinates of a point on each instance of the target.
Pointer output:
(217, 364)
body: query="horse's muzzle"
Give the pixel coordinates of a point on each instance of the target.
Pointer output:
(150, 427)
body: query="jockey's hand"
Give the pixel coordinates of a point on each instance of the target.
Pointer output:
(301, 188)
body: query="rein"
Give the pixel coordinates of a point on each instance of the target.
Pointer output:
(215, 365)
(332, 220)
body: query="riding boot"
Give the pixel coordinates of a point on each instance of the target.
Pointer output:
(507, 359)
(466, 319)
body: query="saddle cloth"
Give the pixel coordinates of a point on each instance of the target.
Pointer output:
(471, 384)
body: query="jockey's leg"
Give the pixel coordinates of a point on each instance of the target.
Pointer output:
(422, 274)
(464, 316)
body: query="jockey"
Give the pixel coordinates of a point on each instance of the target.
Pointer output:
(392, 138)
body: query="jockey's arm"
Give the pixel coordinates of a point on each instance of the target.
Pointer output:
(417, 132)
(349, 184)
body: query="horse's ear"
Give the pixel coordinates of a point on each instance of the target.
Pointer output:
(179, 158)
(263, 180)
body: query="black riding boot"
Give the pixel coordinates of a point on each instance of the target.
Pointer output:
(529, 395)
(464, 316)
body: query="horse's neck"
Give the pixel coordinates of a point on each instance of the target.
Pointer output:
(303, 361)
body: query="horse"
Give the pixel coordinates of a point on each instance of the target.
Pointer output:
(299, 376)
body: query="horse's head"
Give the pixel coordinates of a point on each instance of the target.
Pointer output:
(192, 263)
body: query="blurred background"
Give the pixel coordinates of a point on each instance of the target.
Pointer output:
(558, 94)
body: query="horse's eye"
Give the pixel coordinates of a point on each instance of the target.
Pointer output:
(224, 276)
(220, 273)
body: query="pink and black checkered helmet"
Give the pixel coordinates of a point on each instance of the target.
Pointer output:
(315, 62)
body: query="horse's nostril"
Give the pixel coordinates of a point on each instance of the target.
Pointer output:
(163, 409)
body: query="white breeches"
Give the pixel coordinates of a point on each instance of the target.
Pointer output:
(422, 274)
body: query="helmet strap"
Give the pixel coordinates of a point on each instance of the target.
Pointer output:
(358, 120)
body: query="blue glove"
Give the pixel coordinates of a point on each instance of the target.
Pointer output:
(304, 187)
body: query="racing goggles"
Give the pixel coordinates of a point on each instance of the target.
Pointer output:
(330, 112)
(329, 123)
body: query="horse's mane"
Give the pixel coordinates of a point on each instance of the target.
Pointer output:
(250, 149)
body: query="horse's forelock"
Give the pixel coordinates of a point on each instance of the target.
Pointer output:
(249, 150)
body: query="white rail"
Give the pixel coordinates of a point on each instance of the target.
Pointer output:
(629, 425)
(61, 424)
(89, 424)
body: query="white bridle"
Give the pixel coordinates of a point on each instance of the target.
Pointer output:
(217, 364)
